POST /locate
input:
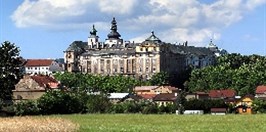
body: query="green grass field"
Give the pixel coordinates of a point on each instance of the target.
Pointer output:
(168, 123)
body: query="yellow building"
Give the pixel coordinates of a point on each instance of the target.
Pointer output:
(154, 89)
(244, 105)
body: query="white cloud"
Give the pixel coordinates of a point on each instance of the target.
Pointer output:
(172, 20)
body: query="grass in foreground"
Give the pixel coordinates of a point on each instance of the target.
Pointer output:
(168, 123)
(36, 124)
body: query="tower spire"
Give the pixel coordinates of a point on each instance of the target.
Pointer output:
(93, 31)
(113, 34)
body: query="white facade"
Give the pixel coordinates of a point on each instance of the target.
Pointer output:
(42, 66)
(38, 70)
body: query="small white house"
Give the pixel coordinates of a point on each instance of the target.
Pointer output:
(42, 66)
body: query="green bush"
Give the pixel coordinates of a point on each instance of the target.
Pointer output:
(60, 102)
(98, 104)
(28, 107)
(149, 108)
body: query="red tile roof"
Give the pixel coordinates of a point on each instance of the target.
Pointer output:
(45, 81)
(261, 89)
(228, 93)
(147, 96)
(38, 62)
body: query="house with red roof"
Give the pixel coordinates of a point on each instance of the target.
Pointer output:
(228, 95)
(261, 91)
(165, 98)
(42, 66)
(33, 87)
(222, 94)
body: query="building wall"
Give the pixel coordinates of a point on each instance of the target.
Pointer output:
(164, 103)
(27, 95)
(38, 70)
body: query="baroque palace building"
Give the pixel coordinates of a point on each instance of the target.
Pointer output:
(139, 60)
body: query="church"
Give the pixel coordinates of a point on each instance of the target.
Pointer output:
(139, 60)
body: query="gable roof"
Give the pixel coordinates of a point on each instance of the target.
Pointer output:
(38, 62)
(45, 81)
(252, 97)
(166, 87)
(228, 93)
(165, 97)
(261, 89)
(139, 88)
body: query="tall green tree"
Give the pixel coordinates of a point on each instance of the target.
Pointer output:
(160, 78)
(10, 63)
(239, 72)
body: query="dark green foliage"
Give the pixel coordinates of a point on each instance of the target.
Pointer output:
(9, 69)
(131, 107)
(169, 108)
(161, 78)
(205, 105)
(60, 102)
(152, 108)
(98, 104)
(1, 103)
(91, 83)
(180, 101)
(26, 108)
(8, 110)
(259, 106)
(234, 71)
(144, 107)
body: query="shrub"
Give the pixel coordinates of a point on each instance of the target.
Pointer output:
(149, 108)
(28, 107)
(98, 104)
(60, 102)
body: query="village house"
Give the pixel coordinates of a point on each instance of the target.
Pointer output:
(197, 95)
(261, 91)
(148, 97)
(155, 89)
(42, 66)
(165, 98)
(244, 104)
(222, 94)
(33, 87)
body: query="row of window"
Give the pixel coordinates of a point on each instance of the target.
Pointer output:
(37, 68)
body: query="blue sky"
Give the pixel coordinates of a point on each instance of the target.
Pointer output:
(45, 28)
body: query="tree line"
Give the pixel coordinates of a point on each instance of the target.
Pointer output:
(233, 71)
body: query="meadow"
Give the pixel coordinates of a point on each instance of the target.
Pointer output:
(136, 123)
(168, 123)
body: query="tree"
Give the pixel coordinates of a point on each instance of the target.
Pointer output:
(10, 63)
(160, 78)
(241, 73)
